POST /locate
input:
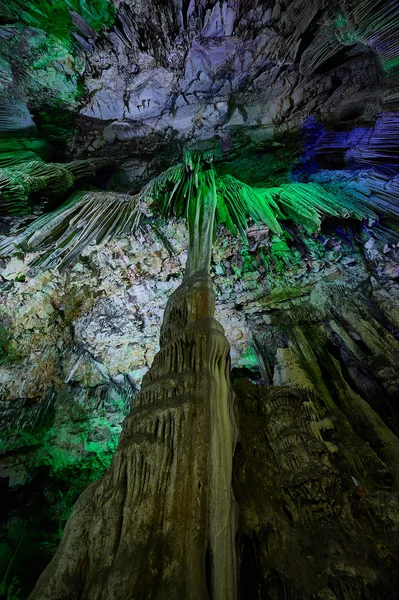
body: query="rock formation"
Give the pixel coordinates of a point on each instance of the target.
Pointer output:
(162, 520)
(250, 450)
(313, 472)
(307, 527)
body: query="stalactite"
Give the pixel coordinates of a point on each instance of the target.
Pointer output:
(372, 24)
(84, 218)
(20, 178)
(364, 147)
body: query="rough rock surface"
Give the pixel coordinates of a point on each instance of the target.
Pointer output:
(240, 77)
(200, 70)
(316, 469)
(161, 522)
(299, 497)
(78, 344)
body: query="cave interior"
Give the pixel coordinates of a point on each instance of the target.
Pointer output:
(199, 299)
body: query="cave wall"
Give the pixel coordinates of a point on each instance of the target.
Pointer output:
(316, 466)
(309, 528)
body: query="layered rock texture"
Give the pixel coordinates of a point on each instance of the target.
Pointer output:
(315, 471)
(144, 73)
(162, 520)
(251, 450)
(196, 70)
(323, 334)
(308, 528)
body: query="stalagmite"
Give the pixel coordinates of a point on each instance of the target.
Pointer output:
(161, 522)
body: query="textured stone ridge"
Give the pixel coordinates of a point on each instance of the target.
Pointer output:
(161, 522)
(307, 529)
(314, 473)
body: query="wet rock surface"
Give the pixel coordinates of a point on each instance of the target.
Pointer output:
(76, 346)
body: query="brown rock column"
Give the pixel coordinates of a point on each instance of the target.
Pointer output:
(161, 522)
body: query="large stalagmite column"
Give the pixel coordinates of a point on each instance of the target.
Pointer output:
(161, 521)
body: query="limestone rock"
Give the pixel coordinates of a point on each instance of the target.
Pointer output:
(157, 500)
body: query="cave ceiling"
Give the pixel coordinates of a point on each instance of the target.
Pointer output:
(145, 79)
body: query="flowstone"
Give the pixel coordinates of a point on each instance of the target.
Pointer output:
(161, 522)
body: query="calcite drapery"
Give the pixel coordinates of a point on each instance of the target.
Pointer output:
(307, 528)
(161, 522)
